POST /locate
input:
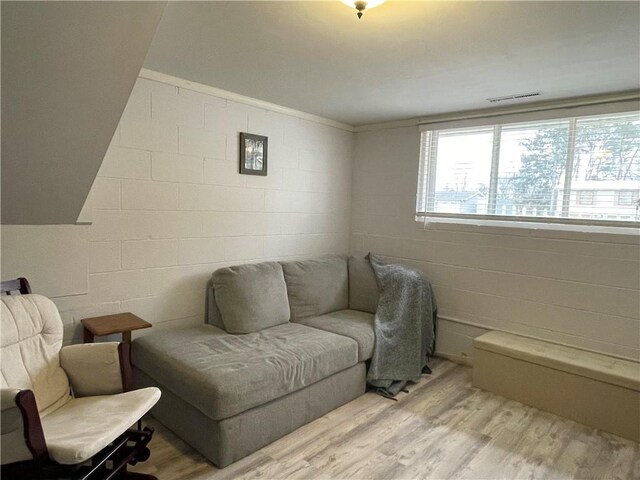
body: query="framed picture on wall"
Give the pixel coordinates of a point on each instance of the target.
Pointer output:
(253, 154)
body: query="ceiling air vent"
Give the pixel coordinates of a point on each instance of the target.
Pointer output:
(517, 96)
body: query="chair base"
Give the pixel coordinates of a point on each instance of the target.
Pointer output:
(108, 464)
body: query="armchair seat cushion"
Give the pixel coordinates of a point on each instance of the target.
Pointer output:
(83, 426)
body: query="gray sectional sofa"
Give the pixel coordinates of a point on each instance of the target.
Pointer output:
(283, 344)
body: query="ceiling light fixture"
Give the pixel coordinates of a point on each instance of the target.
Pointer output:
(360, 5)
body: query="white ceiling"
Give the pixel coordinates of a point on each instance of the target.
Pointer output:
(402, 59)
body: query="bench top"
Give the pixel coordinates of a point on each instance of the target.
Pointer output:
(624, 373)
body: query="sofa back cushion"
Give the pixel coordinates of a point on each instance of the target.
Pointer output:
(317, 286)
(30, 349)
(251, 297)
(363, 286)
(212, 313)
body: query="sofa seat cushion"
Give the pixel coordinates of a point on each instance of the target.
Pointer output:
(82, 427)
(222, 374)
(349, 323)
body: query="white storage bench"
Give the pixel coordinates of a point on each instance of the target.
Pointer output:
(590, 388)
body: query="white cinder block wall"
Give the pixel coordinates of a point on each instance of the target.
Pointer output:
(168, 206)
(579, 289)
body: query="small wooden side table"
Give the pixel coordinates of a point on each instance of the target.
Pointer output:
(123, 323)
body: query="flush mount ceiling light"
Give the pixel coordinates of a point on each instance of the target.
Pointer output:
(360, 5)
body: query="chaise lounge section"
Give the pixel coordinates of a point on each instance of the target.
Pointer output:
(284, 344)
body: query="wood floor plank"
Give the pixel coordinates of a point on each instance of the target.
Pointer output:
(535, 432)
(442, 428)
(448, 455)
(625, 463)
(395, 416)
(489, 462)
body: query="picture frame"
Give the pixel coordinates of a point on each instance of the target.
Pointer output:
(253, 154)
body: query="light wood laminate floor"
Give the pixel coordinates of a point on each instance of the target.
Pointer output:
(442, 428)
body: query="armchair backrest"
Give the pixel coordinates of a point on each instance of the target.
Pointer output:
(30, 342)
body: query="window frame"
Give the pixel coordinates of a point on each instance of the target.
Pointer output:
(428, 168)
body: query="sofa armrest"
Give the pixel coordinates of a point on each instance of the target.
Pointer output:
(97, 368)
(22, 435)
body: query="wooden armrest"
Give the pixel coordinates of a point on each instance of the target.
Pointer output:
(126, 370)
(23, 403)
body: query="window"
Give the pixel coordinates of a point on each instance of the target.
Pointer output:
(627, 198)
(586, 197)
(580, 169)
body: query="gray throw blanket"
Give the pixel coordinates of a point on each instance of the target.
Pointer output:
(405, 327)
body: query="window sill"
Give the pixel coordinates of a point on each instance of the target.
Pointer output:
(578, 226)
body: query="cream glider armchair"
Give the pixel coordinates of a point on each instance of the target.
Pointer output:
(67, 412)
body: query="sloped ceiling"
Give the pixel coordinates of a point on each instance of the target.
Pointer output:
(67, 71)
(402, 59)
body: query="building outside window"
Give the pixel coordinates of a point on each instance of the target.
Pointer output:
(586, 197)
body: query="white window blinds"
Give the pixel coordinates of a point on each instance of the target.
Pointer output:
(573, 170)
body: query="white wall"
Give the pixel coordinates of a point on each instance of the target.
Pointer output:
(575, 288)
(53, 258)
(67, 71)
(168, 206)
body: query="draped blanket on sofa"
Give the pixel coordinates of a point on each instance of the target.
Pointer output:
(405, 327)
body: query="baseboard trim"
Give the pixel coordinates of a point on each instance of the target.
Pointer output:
(459, 359)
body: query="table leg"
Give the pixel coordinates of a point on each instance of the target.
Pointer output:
(88, 336)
